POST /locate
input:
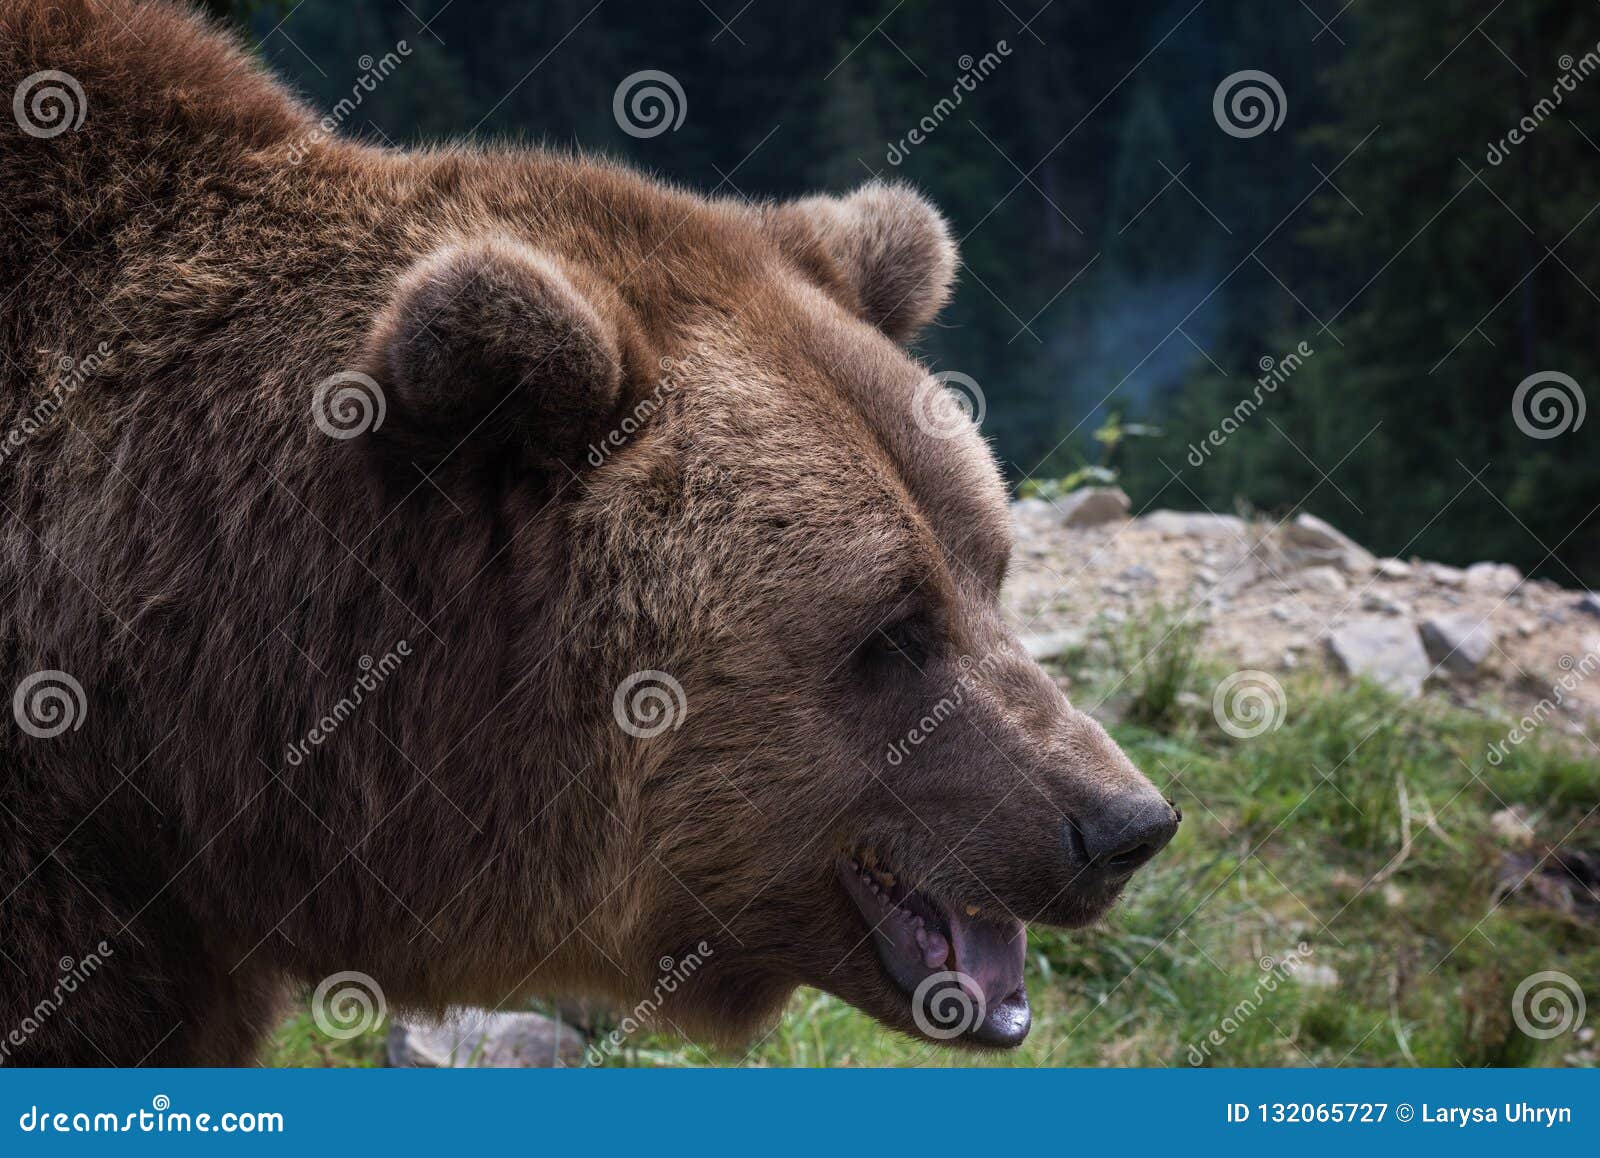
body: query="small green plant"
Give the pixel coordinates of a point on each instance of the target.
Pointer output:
(1155, 658)
(1111, 435)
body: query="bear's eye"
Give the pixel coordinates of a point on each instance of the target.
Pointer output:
(904, 641)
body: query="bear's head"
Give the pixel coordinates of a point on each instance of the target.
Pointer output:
(770, 564)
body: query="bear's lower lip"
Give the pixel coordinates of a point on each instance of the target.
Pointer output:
(961, 972)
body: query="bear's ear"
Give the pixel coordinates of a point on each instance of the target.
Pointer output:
(889, 246)
(493, 341)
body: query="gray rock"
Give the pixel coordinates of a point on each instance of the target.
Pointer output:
(1377, 601)
(1032, 510)
(1458, 642)
(1051, 644)
(1387, 651)
(1496, 578)
(1196, 524)
(475, 1038)
(1092, 506)
(1309, 539)
(1323, 579)
(1511, 825)
(1394, 569)
(1589, 602)
(1138, 573)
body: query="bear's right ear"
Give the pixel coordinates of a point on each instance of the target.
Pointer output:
(492, 341)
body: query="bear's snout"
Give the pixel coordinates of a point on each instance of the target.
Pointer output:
(1107, 847)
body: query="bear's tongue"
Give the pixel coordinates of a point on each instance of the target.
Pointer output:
(991, 953)
(918, 937)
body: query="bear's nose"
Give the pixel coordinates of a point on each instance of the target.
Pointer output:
(1114, 842)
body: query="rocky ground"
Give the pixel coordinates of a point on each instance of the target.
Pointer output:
(1278, 596)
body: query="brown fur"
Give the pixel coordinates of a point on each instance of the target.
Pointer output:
(211, 568)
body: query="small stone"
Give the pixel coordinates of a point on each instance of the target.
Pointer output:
(1324, 580)
(1458, 642)
(1387, 605)
(1033, 510)
(1386, 651)
(1446, 576)
(1314, 975)
(1206, 575)
(491, 1040)
(1138, 573)
(1195, 524)
(1092, 506)
(1511, 826)
(1393, 569)
(1589, 603)
(1312, 540)
(1495, 578)
(1393, 896)
(1050, 645)
(1282, 614)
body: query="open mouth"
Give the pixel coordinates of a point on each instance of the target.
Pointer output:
(960, 967)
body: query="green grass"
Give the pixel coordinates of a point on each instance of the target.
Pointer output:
(1293, 836)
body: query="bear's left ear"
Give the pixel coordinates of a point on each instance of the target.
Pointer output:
(493, 341)
(891, 249)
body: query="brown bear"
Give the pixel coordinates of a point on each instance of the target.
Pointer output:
(491, 573)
